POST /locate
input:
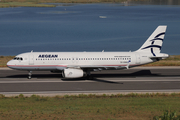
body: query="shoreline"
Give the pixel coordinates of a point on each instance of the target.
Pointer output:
(44, 3)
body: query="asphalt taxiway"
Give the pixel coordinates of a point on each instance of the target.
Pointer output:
(139, 79)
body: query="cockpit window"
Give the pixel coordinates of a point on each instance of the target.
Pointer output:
(18, 58)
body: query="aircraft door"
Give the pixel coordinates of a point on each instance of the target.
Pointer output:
(138, 59)
(31, 59)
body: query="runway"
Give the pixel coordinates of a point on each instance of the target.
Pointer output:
(139, 79)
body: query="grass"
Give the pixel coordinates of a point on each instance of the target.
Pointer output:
(173, 60)
(4, 60)
(89, 107)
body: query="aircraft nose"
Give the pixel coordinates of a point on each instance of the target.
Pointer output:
(9, 64)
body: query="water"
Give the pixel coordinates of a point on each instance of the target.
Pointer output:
(86, 27)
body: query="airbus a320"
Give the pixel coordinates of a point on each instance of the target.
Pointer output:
(80, 64)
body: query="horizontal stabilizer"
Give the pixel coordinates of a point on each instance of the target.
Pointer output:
(160, 56)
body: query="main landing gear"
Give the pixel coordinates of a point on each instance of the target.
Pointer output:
(30, 74)
(88, 75)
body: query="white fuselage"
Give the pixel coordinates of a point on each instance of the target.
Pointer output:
(60, 60)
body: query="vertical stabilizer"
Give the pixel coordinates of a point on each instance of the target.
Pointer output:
(154, 43)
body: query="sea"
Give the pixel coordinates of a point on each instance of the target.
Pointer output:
(107, 27)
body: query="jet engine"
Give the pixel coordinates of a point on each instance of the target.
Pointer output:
(73, 73)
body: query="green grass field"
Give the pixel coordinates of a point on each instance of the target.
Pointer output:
(173, 60)
(89, 107)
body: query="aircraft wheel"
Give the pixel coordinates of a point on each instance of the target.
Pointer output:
(30, 73)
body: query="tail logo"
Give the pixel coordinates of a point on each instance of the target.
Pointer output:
(152, 43)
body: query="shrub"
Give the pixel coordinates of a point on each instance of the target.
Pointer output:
(167, 116)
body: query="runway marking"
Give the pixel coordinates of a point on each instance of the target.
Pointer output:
(137, 79)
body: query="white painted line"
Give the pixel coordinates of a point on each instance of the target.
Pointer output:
(158, 79)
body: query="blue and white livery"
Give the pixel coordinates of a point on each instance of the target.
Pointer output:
(80, 64)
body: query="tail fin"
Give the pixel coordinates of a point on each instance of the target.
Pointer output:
(154, 43)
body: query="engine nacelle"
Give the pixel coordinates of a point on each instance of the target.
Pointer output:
(73, 73)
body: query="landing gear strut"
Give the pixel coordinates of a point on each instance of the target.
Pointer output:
(30, 73)
(89, 77)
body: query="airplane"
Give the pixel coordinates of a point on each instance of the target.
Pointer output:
(80, 64)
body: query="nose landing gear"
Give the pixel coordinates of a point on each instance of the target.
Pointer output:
(30, 74)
